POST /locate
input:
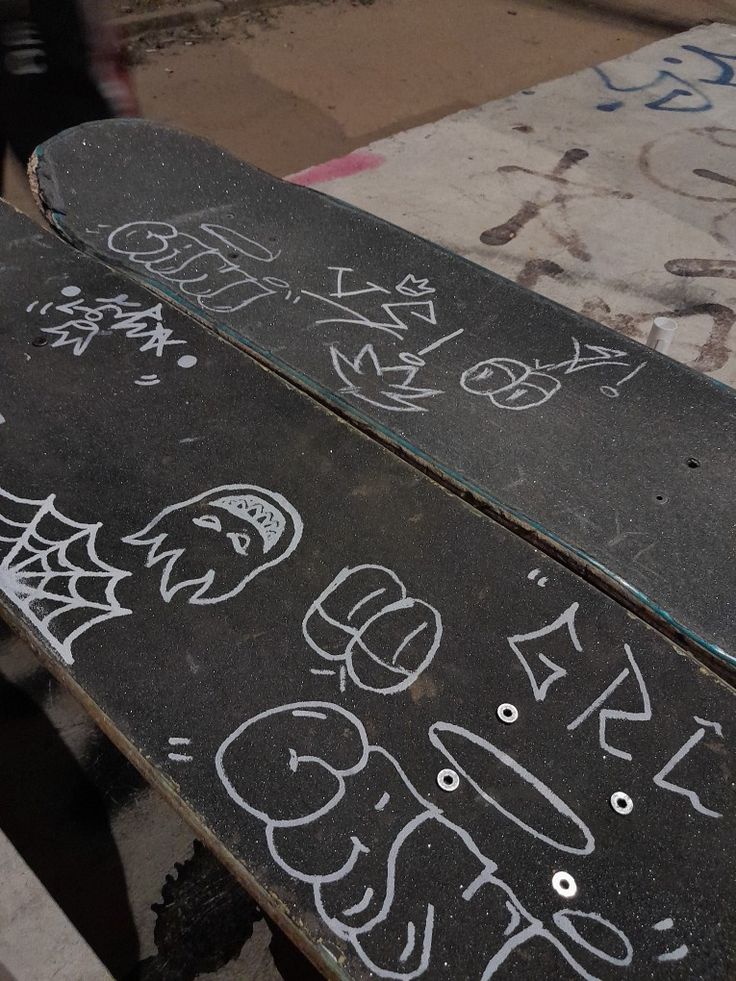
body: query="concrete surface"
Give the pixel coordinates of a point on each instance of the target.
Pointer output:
(316, 80)
(324, 79)
(614, 195)
(37, 941)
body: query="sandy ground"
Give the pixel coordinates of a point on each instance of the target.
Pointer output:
(320, 79)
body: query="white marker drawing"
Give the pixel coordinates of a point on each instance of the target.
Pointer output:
(50, 570)
(396, 316)
(566, 920)
(564, 622)
(541, 581)
(488, 778)
(2, 419)
(661, 780)
(679, 953)
(308, 772)
(515, 385)
(606, 715)
(384, 386)
(178, 757)
(613, 391)
(341, 291)
(411, 286)
(87, 319)
(145, 381)
(396, 320)
(213, 544)
(210, 269)
(388, 387)
(366, 619)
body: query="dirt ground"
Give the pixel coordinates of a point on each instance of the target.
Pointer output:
(314, 80)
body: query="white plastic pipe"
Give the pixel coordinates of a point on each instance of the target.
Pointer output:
(661, 334)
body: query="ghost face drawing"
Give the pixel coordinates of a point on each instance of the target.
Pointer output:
(210, 546)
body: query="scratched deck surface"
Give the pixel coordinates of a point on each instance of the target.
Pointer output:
(615, 455)
(299, 632)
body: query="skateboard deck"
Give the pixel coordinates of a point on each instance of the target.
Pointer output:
(598, 448)
(392, 717)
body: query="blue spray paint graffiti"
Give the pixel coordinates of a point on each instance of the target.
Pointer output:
(671, 92)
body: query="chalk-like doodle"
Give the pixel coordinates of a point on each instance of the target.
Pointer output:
(396, 316)
(210, 269)
(366, 620)
(458, 744)
(411, 286)
(50, 570)
(679, 953)
(213, 544)
(661, 778)
(384, 386)
(87, 318)
(565, 623)
(512, 384)
(308, 772)
(606, 715)
(178, 756)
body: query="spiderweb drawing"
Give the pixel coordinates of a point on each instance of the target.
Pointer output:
(50, 570)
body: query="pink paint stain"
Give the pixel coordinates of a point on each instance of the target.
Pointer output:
(332, 170)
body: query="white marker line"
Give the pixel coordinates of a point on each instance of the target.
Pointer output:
(514, 921)
(631, 374)
(308, 715)
(432, 347)
(179, 741)
(360, 906)
(410, 942)
(383, 801)
(321, 671)
(180, 758)
(675, 955)
(342, 679)
(666, 924)
(619, 679)
(407, 640)
(366, 599)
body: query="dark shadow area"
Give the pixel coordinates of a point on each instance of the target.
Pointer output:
(650, 13)
(202, 922)
(58, 822)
